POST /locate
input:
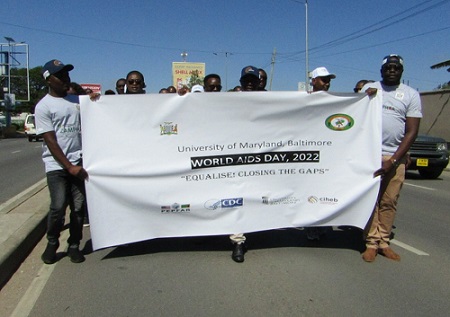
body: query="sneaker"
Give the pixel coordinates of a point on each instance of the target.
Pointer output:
(49, 255)
(75, 254)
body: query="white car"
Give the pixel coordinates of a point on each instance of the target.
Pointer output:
(30, 128)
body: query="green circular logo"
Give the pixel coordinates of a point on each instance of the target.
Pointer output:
(339, 122)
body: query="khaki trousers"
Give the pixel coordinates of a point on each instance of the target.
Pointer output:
(379, 227)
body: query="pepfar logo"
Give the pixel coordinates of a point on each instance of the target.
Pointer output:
(214, 204)
(339, 122)
(176, 208)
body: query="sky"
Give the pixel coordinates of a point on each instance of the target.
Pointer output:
(105, 40)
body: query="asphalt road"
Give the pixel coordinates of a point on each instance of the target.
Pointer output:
(283, 275)
(21, 166)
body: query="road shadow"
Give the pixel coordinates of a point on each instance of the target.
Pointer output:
(344, 237)
(414, 175)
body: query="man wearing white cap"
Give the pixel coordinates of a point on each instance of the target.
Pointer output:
(321, 79)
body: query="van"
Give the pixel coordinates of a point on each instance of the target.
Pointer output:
(30, 128)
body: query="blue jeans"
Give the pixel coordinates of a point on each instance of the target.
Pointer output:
(65, 190)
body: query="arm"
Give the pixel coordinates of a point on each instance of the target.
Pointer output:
(58, 154)
(411, 130)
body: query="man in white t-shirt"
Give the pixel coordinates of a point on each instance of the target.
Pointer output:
(402, 111)
(57, 118)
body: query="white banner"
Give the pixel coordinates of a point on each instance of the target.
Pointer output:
(165, 165)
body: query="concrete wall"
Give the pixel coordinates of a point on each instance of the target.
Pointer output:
(436, 114)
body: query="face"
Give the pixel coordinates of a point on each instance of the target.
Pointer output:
(249, 83)
(321, 83)
(120, 86)
(262, 79)
(213, 85)
(391, 73)
(135, 84)
(359, 85)
(59, 84)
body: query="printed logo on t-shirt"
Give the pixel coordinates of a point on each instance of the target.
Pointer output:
(399, 95)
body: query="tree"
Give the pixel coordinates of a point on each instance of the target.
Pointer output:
(19, 87)
(195, 79)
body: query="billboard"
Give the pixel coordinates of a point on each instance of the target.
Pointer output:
(92, 87)
(182, 72)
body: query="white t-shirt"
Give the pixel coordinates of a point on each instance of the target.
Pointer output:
(399, 102)
(61, 115)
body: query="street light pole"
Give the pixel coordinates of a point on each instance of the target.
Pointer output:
(226, 66)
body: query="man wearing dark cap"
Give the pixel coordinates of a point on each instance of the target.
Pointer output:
(57, 118)
(249, 78)
(401, 115)
(249, 82)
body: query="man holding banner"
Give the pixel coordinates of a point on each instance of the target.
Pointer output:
(402, 111)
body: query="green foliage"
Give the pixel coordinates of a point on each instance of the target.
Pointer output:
(19, 87)
(195, 79)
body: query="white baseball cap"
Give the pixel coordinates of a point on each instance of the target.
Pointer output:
(322, 72)
(197, 88)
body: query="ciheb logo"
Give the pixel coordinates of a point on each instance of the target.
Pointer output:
(214, 204)
(323, 200)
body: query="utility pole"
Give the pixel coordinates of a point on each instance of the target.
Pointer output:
(226, 66)
(272, 67)
(306, 47)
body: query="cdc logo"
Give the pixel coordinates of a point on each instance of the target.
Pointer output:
(214, 204)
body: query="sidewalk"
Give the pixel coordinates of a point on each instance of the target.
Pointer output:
(22, 225)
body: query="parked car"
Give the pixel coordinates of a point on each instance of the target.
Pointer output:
(429, 155)
(30, 128)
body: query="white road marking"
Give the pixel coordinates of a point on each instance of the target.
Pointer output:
(408, 247)
(14, 152)
(33, 292)
(422, 187)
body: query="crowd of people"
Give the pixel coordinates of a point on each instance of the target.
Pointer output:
(62, 149)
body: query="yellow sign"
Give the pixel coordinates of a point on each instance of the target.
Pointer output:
(182, 72)
(422, 162)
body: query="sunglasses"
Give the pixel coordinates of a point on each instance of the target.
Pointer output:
(395, 67)
(325, 80)
(356, 89)
(213, 87)
(134, 81)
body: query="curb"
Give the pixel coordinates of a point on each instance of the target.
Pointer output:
(31, 227)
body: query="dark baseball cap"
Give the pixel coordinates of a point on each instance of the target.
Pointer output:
(250, 70)
(54, 66)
